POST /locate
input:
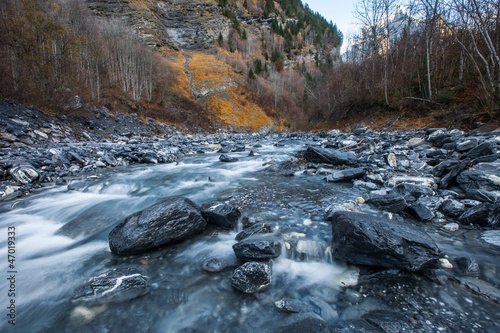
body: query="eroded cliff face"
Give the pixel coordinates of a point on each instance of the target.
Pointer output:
(186, 33)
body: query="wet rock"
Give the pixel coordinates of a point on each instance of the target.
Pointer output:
(283, 168)
(227, 159)
(305, 323)
(113, 286)
(252, 277)
(387, 321)
(345, 175)
(466, 145)
(362, 239)
(326, 311)
(480, 287)
(484, 176)
(166, 222)
(421, 212)
(257, 228)
(220, 214)
(411, 192)
(369, 186)
(24, 173)
(350, 206)
(257, 249)
(467, 266)
(484, 215)
(480, 195)
(329, 156)
(391, 202)
(452, 208)
(215, 265)
(293, 305)
(482, 150)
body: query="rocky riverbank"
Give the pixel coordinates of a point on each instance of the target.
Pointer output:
(421, 231)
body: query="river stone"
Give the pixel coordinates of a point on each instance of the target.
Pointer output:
(251, 277)
(421, 212)
(215, 265)
(387, 321)
(411, 192)
(345, 175)
(227, 158)
(484, 215)
(220, 214)
(391, 202)
(166, 222)
(466, 145)
(452, 208)
(257, 249)
(304, 323)
(392, 160)
(329, 156)
(113, 286)
(258, 228)
(467, 266)
(480, 195)
(483, 149)
(363, 239)
(484, 176)
(24, 173)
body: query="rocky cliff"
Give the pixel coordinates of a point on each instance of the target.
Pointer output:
(199, 38)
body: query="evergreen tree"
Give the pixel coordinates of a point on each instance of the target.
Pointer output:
(251, 74)
(220, 39)
(258, 66)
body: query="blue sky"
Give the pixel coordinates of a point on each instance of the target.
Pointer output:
(339, 12)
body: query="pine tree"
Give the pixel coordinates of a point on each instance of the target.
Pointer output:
(220, 39)
(251, 74)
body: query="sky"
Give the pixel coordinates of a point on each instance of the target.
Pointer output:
(337, 11)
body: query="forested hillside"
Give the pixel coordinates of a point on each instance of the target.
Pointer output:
(209, 64)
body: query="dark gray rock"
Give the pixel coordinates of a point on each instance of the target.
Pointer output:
(305, 323)
(484, 176)
(166, 222)
(252, 277)
(466, 145)
(411, 192)
(113, 286)
(257, 249)
(480, 195)
(391, 202)
(220, 214)
(483, 149)
(421, 212)
(257, 228)
(329, 156)
(345, 175)
(452, 208)
(362, 239)
(484, 215)
(467, 266)
(227, 159)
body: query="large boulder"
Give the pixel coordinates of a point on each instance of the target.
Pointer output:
(252, 277)
(166, 222)
(220, 214)
(328, 155)
(257, 249)
(113, 286)
(363, 239)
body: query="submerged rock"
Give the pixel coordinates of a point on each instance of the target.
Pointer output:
(363, 239)
(227, 158)
(305, 323)
(257, 228)
(220, 214)
(252, 277)
(166, 222)
(113, 286)
(293, 305)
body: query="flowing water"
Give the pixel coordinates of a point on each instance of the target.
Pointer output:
(61, 242)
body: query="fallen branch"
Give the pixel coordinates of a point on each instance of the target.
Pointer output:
(422, 100)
